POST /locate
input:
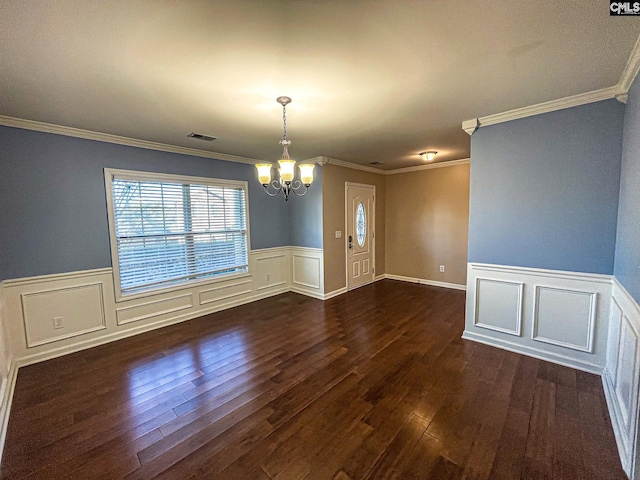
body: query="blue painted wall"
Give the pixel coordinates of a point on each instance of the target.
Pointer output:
(544, 190)
(53, 212)
(306, 215)
(627, 260)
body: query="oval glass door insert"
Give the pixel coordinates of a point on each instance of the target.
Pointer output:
(361, 224)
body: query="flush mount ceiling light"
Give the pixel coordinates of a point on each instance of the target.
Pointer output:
(428, 156)
(287, 182)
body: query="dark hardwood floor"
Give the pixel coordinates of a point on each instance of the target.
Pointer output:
(372, 384)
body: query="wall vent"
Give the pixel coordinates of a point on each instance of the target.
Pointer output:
(200, 136)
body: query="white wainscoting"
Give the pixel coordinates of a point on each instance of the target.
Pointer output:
(273, 268)
(554, 315)
(159, 307)
(622, 374)
(8, 372)
(307, 271)
(85, 301)
(4, 352)
(229, 290)
(80, 307)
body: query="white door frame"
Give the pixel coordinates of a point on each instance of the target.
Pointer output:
(346, 231)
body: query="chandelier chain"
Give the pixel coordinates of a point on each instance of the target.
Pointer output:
(286, 184)
(284, 122)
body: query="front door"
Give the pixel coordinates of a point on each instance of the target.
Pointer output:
(360, 234)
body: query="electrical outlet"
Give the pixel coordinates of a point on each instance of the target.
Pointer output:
(442, 268)
(58, 323)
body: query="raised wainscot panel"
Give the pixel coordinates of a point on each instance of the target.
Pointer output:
(153, 308)
(270, 271)
(626, 378)
(564, 317)
(613, 340)
(498, 305)
(223, 292)
(56, 314)
(622, 376)
(306, 270)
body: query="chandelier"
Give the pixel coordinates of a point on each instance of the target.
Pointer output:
(286, 183)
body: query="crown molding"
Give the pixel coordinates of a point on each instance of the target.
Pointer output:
(108, 138)
(545, 107)
(353, 166)
(619, 92)
(470, 126)
(163, 147)
(451, 163)
(319, 160)
(417, 168)
(629, 73)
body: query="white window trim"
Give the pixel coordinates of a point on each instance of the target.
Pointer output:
(109, 173)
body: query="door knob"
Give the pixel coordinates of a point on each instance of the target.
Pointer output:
(350, 241)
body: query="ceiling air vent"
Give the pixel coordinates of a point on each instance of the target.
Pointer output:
(200, 136)
(376, 163)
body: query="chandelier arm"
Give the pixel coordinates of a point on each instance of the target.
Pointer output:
(297, 186)
(276, 186)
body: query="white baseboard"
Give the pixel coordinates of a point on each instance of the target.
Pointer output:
(335, 293)
(423, 281)
(401, 278)
(533, 352)
(312, 294)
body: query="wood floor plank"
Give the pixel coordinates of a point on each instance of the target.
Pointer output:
(375, 383)
(421, 460)
(395, 457)
(298, 451)
(539, 452)
(266, 449)
(599, 459)
(509, 457)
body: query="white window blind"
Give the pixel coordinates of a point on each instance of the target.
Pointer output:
(169, 231)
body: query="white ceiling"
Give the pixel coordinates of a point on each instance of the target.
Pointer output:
(371, 80)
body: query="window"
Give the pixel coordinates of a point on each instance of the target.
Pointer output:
(361, 224)
(167, 229)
